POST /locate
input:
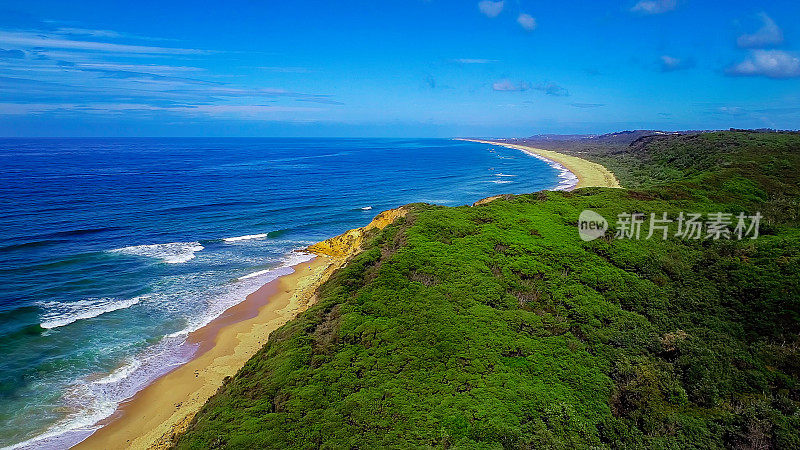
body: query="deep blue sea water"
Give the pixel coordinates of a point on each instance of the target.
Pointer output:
(112, 250)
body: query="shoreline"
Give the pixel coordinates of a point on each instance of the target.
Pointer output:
(588, 174)
(166, 406)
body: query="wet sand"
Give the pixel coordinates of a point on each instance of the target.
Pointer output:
(589, 174)
(167, 406)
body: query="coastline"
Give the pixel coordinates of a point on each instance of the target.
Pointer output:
(588, 174)
(166, 406)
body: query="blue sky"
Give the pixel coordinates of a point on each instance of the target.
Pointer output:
(395, 68)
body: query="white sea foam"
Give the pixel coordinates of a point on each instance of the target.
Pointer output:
(290, 260)
(170, 253)
(123, 371)
(500, 174)
(96, 400)
(567, 179)
(90, 402)
(70, 431)
(58, 314)
(295, 258)
(246, 237)
(254, 274)
(238, 292)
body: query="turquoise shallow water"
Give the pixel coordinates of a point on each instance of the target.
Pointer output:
(112, 250)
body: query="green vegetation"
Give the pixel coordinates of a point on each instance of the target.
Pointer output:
(497, 327)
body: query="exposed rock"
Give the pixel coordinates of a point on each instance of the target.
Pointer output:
(349, 243)
(486, 200)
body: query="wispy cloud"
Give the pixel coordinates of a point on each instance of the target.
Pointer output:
(510, 86)
(553, 89)
(28, 39)
(731, 110)
(11, 54)
(279, 69)
(474, 61)
(526, 21)
(240, 111)
(55, 27)
(430, 81)
(490, 8)
(671, 63)
(770, 34)
(587, 105)
(92, 33)
(320, 100)
(549, 88)
(51, 70)
(145, 67)
(650, 7)
(768, 63)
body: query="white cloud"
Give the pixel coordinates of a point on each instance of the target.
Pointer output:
(118, 108)
(526, 21)
(89, 32)
(587, 105)
(654, 6)
(768, 63)
(768, 35)
(553, 89)
(671, 63)
(39, 41)
(474, 61)
(510, 86)
(731, 110)
(548, 88)
(490, 8)
(75, 70)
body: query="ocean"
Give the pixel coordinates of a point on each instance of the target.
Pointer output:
(113, 250)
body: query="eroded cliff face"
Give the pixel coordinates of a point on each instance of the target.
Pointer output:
(350, 242)
(487, 200)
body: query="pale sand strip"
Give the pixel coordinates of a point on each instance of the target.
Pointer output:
(167, 406)
(589, 174)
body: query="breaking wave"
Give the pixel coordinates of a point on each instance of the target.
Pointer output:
(58, 314)
(170, 253)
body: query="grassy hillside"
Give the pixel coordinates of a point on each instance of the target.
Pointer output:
(497, 327)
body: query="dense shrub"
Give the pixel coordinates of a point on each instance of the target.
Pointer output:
(496, 327)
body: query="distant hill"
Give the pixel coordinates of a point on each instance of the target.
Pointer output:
(618, 138)
(594, 144)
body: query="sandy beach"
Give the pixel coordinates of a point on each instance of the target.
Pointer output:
(589, 174)
(167, 406)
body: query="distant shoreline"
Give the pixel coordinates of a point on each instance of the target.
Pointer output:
(589, 174)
